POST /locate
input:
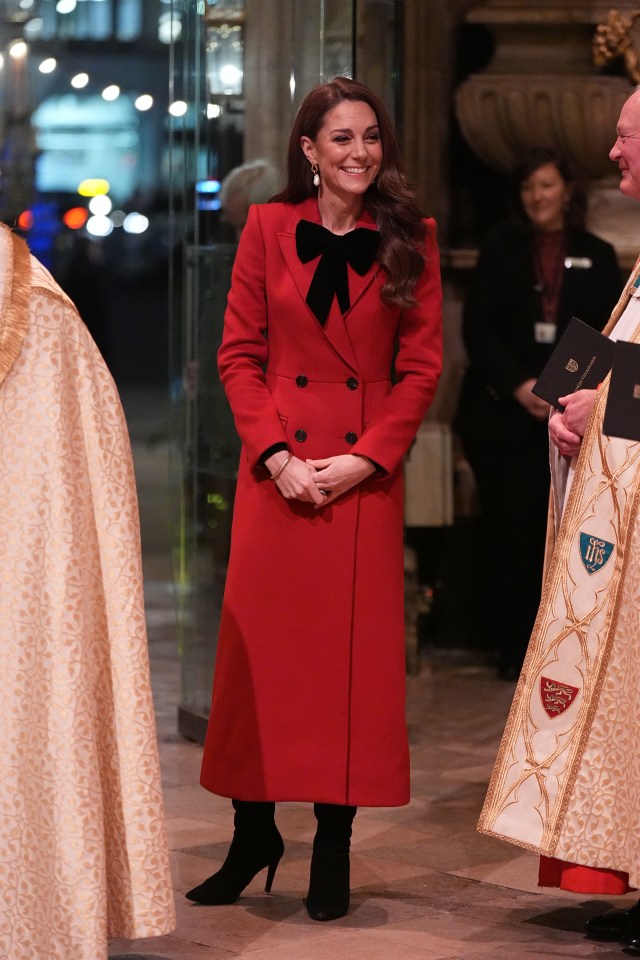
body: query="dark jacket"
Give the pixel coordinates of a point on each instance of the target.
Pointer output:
(501, 310)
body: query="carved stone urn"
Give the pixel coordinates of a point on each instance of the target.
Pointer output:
(543, 89)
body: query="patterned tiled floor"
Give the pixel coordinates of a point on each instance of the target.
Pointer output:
(425, 884)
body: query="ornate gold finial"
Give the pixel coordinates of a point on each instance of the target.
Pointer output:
(613, 39)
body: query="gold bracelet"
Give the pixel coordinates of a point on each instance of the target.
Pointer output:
(275, 475)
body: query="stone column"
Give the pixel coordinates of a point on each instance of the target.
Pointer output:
(424, 130)
(428, 79)
(269, 111)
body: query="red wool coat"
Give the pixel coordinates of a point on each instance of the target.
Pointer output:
(308, 699)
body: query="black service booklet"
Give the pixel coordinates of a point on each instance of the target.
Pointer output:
(581, 360)
(622, 413)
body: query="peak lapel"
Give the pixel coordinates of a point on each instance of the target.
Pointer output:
(359, 285)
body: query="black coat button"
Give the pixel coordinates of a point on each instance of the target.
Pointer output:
(301, 380)
(300, 435)
(351, 438)
(352, 383)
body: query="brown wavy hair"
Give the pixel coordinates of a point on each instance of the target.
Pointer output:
(389, 200)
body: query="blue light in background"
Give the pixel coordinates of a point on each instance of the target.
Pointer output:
(207, 203)
(208, 186)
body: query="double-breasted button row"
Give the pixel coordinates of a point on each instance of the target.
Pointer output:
(351, 438)
(302, 381)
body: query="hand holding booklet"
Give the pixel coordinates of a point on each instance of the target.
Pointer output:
(581, 360)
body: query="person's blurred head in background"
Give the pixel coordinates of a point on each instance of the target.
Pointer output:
(252, 182)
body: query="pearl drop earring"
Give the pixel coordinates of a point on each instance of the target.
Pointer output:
(316, 174)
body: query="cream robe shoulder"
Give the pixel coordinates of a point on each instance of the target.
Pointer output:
(83, 850)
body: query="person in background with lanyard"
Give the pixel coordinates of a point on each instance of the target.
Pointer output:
(532, 276)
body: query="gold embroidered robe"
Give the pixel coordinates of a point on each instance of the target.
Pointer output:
(567, 778)
(83, 851)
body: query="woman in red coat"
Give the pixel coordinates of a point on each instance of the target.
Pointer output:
(335, 282)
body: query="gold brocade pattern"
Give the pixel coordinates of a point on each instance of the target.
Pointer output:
(15, 290)
(83, 851)
(566, 784)
(601, 826)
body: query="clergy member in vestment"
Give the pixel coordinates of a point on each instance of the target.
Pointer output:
(83, 851)
(567, 779)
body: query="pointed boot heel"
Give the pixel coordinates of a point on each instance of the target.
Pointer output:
(256, 844)
(237, 872)
(271, 872)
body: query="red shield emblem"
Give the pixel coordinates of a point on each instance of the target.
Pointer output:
(556, 697)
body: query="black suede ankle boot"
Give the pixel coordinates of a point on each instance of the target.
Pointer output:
(329, 894)
(256, 844)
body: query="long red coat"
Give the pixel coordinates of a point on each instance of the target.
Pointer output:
(308, 699)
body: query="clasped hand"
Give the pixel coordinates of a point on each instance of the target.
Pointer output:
(533, 404)
(321, 481)
(567, 429)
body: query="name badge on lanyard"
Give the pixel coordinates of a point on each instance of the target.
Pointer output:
(545, 332)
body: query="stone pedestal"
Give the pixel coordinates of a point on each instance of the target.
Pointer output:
(503, 115)
(542, 89)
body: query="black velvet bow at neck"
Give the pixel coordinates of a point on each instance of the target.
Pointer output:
(357, 248)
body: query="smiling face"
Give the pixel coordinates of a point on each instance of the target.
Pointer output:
(626, 150)
(347, 149)
(545, 196)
